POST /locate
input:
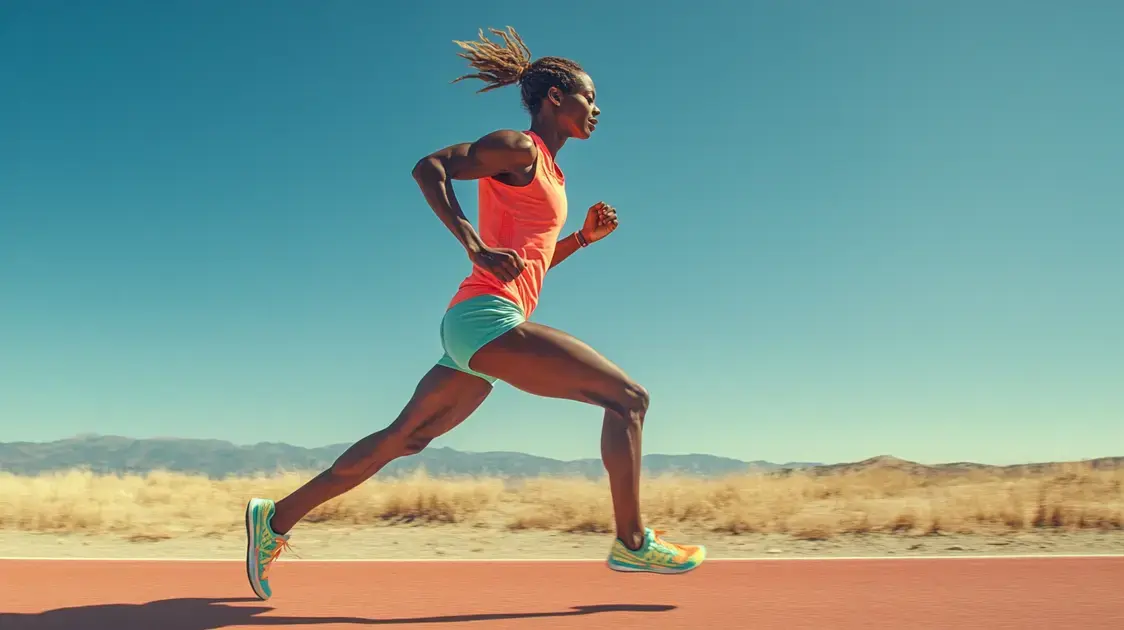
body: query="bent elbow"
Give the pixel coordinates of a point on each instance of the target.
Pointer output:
(419, 168)
(424, 168)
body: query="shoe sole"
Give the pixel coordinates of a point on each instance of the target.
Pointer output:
(655, 569)
(251, 557)
(660, 570)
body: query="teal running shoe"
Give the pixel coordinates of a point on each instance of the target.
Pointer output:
(263, 546)
(655, 555)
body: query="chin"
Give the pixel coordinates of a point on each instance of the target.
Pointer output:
(580, 132)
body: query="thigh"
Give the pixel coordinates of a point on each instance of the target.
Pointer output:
(548, 362)
(473, 323)
(443, 398)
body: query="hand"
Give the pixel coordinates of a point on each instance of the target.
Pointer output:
(600, 222)
(504, 264)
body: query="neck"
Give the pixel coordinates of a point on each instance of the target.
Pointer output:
(551, 135)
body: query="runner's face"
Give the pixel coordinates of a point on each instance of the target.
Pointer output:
(578, 112)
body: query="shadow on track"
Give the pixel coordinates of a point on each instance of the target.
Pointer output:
(213, 613)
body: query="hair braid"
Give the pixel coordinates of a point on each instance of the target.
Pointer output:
(499, 66)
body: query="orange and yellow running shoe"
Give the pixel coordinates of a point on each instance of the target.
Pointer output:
(655, 555)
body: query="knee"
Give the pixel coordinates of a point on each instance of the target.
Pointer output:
(641, 396)
(404, 441)
(375, 451)
(414, 444)
(347, 467)
(633, 401)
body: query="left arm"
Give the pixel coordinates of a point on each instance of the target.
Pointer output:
(600, 222)
(564, 248)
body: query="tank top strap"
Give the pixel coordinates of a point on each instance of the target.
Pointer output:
(552, 167)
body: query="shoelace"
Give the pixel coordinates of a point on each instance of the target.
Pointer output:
(282, 545)
(671, 547)
(658, 535)
(667, 548)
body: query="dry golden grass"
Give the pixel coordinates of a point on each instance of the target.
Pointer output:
(878, 500)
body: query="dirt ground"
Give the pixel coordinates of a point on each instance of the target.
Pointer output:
(319, 542)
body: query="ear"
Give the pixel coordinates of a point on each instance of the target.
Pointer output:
(554, 95)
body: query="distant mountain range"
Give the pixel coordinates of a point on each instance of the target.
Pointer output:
(887, 462)
(218, 458)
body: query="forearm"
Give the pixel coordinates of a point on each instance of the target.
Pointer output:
(564, 248)
(437, 188)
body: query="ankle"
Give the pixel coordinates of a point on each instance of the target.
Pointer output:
(273, 529)
(633, 539)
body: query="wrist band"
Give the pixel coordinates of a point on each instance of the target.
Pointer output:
(581, 239)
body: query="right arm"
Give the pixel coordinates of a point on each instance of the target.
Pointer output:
(494, 154)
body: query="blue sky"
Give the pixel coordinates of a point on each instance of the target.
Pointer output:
(847, 229)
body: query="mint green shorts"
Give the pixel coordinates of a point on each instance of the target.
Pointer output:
(472, 324)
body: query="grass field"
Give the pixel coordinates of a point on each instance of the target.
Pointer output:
(160, 505)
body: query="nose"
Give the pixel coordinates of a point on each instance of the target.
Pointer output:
(596, 110)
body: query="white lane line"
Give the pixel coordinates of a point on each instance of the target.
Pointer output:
(574, 560)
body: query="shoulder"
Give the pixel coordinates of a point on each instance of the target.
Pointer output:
(509, 143)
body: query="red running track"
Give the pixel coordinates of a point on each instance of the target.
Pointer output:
(993, 593)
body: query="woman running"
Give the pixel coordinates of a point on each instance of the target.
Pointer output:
(485, 331)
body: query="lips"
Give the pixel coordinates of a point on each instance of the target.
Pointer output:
(592, 123)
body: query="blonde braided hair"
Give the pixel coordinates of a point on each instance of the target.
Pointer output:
(509, 64)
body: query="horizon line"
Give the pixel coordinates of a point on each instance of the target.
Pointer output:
(782, 465)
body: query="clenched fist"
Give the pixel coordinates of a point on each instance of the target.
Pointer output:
(600, 222)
